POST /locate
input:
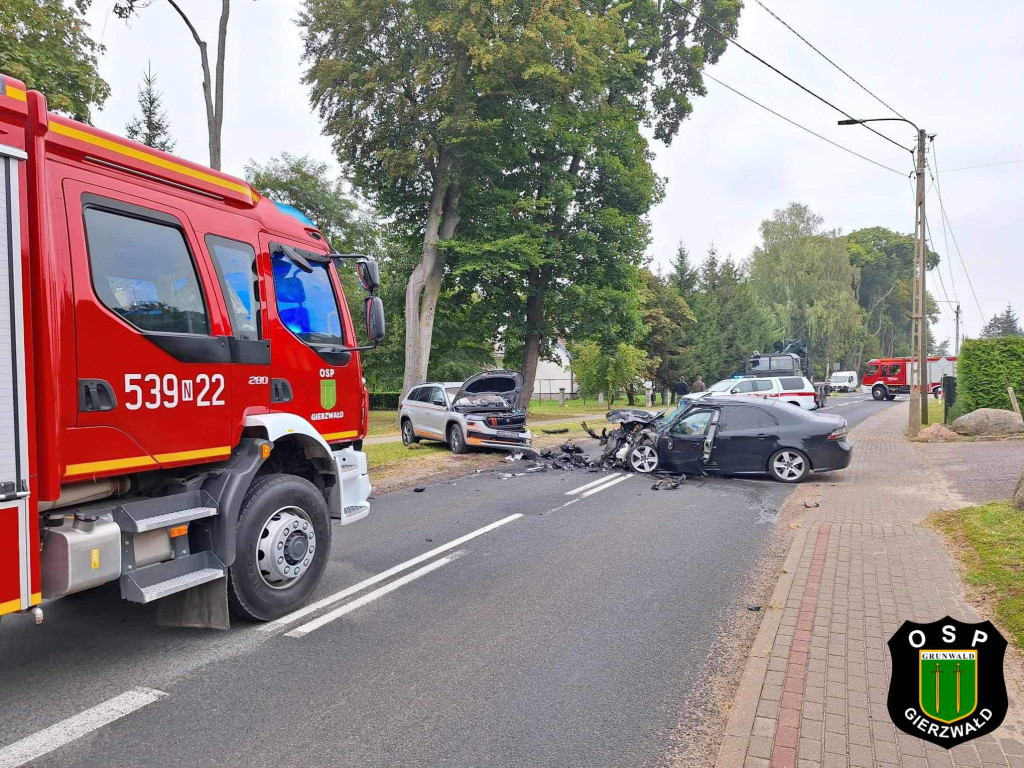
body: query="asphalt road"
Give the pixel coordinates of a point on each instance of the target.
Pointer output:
(569, 635)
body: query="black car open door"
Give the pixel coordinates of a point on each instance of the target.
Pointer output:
(688, 444)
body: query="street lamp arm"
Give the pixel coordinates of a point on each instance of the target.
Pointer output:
(879, 120)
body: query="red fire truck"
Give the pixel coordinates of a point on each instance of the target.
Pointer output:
(181, 397)
(890, 376)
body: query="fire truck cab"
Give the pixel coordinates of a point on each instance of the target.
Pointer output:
(181, 397)
(887, 377)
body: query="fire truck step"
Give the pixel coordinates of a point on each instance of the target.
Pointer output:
(355, 509)
(161, 579)
(163, 511)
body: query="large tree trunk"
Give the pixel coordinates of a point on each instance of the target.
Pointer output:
(214, 111)
(218, 107)
(536, 285)
(424, 285)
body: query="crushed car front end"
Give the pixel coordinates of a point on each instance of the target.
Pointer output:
(489, 407)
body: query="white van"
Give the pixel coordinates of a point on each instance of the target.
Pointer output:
(843, 381)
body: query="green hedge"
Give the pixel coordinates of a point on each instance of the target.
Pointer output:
(983, 368)
(384, 401)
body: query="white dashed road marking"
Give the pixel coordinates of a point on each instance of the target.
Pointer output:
(75, 727)
(382, 576)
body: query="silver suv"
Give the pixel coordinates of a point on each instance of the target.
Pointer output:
(483, 411)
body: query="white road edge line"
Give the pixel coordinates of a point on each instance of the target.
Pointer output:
(75, 727)
(599, 480)
(604, 487)
(304, 629)
(382, 576)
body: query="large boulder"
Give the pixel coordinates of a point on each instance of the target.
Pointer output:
(1018, 494)
(937, 433)
(989, 421)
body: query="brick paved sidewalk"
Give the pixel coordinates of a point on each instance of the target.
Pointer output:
(814, 690)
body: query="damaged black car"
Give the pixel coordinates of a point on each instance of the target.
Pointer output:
(718, 436)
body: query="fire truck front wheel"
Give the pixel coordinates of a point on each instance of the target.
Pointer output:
(878, 392)
(283, 542)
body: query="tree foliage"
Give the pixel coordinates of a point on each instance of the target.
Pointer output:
(1003, 324)
(985, 367)
(447, 112)
(46, 44)
(151, 126)
(608, 372)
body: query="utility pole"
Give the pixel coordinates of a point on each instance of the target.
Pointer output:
(919, 316)
(956, 344)
(919, 332)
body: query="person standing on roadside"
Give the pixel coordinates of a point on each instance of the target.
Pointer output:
(681, 388)
(699, 385)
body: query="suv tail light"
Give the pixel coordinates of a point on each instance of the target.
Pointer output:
(838, 434)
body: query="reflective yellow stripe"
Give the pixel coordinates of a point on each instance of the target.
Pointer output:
(10, 606)
(91, 467)
(15, 93)
(146, 157)
(37, 598)
(340, 435)
(205, 453)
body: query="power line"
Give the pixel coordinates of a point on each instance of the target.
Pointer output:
(913, 189)
(945, 216)
(778, 71)
(983, 165)
(826, 58)
(801, 127)
(945, 235)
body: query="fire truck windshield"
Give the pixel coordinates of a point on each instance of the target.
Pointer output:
(306, 302)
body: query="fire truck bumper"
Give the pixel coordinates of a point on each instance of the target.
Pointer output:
(350, 497)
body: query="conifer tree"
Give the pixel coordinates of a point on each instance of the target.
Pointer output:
(152, 127)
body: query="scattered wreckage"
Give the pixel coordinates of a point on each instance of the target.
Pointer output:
(633, 444)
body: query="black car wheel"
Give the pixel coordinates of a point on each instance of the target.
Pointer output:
(789, 465)
(643, 458)
(456, 441)
(408, 434)
(878, 393)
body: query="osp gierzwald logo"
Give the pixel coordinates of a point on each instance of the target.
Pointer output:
(947, 680)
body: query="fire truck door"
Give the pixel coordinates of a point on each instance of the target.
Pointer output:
(153, 351)
(19, 533)
(308, 325)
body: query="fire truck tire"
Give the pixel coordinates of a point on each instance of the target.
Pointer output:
(878, 393)
(456, 440)
(890, 397)
(408, 433)
(283, 543)
(936, 391)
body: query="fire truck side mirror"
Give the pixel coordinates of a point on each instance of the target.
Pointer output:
(369, 276)
(374, 319)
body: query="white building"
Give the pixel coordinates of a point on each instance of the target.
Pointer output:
(553, 375)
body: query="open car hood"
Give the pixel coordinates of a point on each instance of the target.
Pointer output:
(507, 384)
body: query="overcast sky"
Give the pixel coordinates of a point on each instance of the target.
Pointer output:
(955, 70)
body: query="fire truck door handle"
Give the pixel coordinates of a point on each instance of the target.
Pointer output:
(280, 391)
(95, 395)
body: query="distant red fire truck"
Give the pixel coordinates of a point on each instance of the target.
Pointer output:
(181, 397)
(890, 376)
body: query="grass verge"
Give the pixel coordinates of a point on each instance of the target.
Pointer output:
(989, 541)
